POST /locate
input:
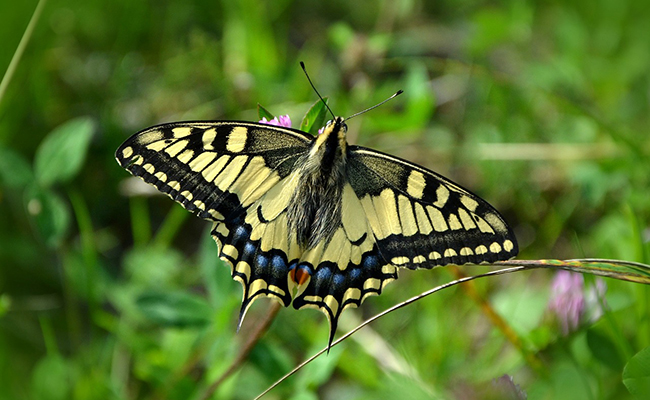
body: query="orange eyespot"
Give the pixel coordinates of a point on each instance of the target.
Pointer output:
(299, 275)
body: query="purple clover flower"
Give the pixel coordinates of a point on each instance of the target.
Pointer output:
(571, 303)
(283, 121)
(567, 301)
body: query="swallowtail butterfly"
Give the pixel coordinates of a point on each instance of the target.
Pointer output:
(313, 220)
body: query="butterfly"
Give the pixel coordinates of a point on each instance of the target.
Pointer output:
(312, 220)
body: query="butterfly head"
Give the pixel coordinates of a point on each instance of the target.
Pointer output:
(331, 143)
(337, 124)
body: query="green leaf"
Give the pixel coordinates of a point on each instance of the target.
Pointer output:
(62, 153)
(48, 213)
(179, 309)
(604, 350)
(50, 379)
(15, 171)
(314, 119)
(264, 113)
(636, 375)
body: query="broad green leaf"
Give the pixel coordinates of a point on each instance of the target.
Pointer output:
(49, 214)
(62, 153)
(314, 119)
(264, 113)
(636, 375)
(174, 308)
(15, 171)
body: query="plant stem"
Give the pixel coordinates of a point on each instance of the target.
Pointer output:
(18, 54)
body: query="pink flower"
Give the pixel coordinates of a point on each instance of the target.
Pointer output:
(567, 301)
(283, 121)
(571, 304)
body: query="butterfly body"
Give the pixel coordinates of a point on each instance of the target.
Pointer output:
(313, 221)
(315, 210)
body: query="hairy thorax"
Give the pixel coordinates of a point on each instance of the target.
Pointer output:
(314, 212)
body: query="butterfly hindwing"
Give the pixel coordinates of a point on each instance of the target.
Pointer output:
(421, 219)
(347, 269)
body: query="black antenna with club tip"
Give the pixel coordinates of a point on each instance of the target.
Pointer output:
(302, 64)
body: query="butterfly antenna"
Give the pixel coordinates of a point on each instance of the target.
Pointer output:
(376, 105)
(302, 64)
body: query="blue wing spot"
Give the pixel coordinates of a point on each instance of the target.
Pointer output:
(278, 266)
(241, 233)
(249, 251)
(354, 274)
(322, 275)
(339, 280)
(370, 261)
(261, 261)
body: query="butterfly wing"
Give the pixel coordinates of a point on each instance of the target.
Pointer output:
(235, 174)
(421, 219)
(202, 165)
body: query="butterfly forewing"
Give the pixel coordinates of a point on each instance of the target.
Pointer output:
(421, 219)
(202, 164)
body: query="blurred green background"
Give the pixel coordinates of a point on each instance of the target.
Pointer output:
(542, 108)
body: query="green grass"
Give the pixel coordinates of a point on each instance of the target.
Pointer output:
(541, 108)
